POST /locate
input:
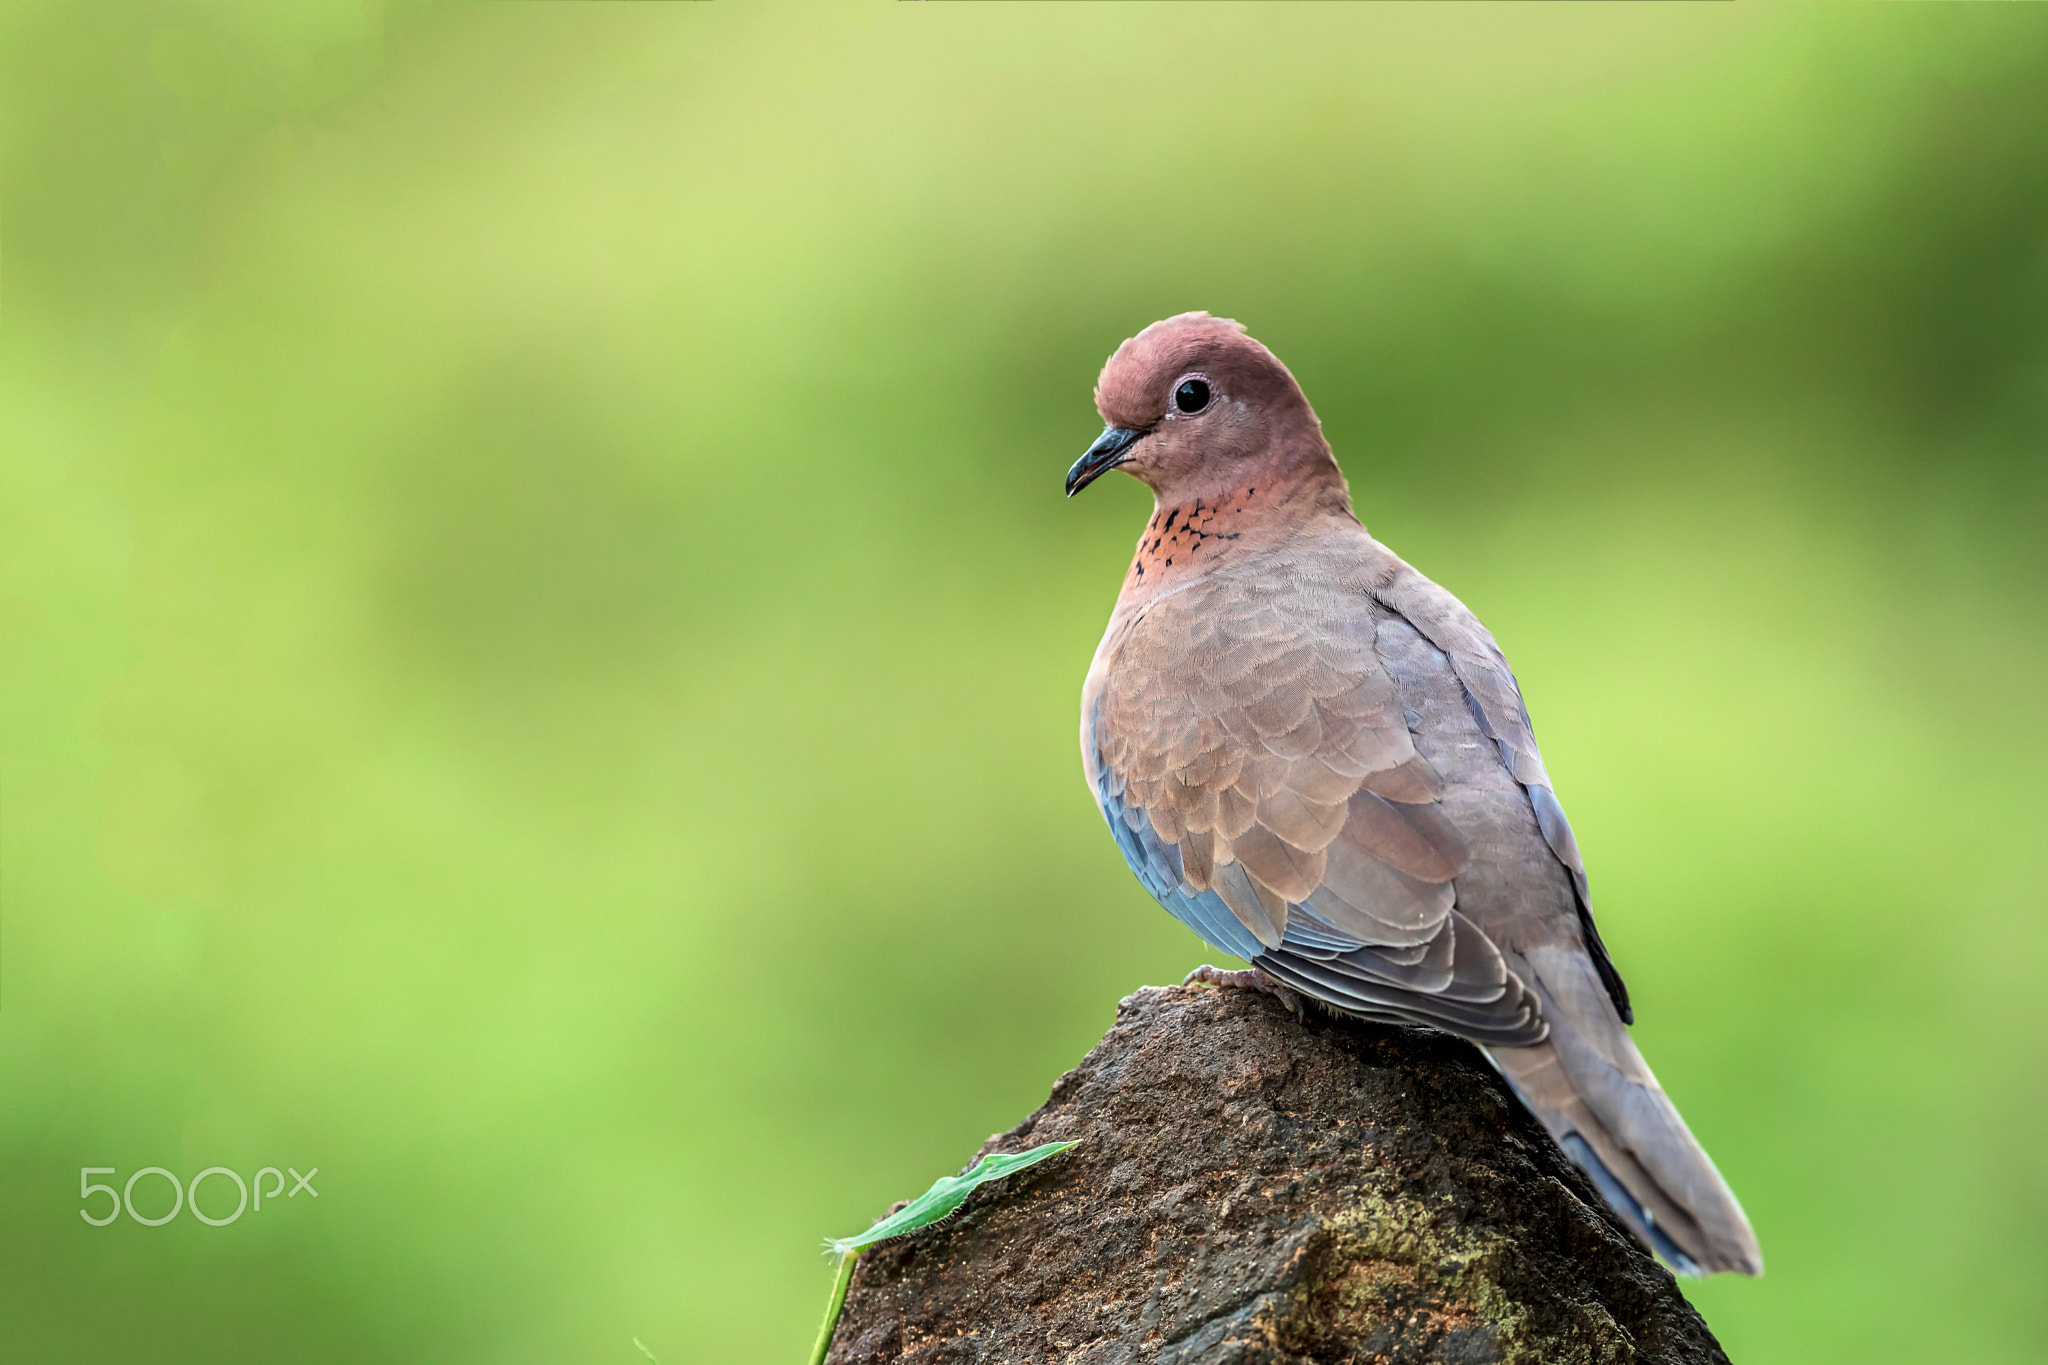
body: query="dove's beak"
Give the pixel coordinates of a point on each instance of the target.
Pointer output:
(1106, 454)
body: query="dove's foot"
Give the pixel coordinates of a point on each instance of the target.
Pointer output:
(1249, 980)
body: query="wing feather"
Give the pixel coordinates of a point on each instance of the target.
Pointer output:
(1422, 611)
(1270, 773)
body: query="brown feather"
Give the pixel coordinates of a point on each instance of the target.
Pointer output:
(1373, 903)
(1197, 858)
(1313, 780)
(1234, 885)
(1289, 872)
(1307, 825)
(1412, 780)
(1417, 840)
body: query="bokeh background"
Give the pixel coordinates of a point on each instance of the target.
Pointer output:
(541, 637)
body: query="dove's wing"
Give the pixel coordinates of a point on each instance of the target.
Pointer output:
(1460, 660)
(1323, 765)
(1251, 751)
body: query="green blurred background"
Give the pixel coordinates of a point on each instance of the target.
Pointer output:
(541, 637)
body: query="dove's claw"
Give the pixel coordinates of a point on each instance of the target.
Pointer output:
(1249, 980)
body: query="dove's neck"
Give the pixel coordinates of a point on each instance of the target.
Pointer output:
(1192, 537)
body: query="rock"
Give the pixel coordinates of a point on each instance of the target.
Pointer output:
(1255, 1190)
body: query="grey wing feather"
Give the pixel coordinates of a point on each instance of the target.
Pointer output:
(1493, 699)
(1595, 1093)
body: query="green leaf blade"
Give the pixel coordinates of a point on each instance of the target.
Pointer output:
(946, 1194)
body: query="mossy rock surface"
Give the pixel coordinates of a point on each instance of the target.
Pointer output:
(1257, 1190)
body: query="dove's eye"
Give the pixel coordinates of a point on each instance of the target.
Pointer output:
(1191, 396)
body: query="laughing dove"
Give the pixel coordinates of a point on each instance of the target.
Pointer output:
(1319, 761)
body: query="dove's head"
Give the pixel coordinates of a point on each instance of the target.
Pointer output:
(1195, 408)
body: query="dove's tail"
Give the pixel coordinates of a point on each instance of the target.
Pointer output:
(1596, 1095)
